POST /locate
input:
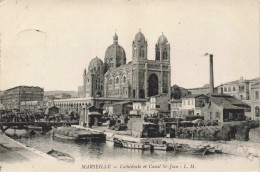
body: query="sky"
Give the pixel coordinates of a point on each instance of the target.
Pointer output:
(50, 43)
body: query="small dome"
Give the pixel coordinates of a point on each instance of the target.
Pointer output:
(96, 64)
(139, 37)
(162, 39)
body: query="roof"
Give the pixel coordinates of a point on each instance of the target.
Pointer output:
(23, 87)
(255, 84)
(194, 96)
(176, 101)
(160, 95)
(227, 101)
(122, 67)
(206, 86)
(122, 103)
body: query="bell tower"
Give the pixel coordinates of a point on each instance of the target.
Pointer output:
(162, 49)
(139, 50)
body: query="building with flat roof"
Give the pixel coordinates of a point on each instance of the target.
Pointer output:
(12, 98)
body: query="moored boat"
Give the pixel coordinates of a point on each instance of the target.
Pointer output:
(163, 147)
(61, 156)
(118, 142)
(134, 145)
(192, 150)
(71, 133)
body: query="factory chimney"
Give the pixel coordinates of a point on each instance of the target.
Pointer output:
(211, 77)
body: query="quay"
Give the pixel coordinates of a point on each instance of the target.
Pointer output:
(13, 153)
(233, 147)
(11, 150)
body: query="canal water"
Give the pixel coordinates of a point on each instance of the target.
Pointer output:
(105, 152)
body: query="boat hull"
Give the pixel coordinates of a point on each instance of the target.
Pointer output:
(140, 146)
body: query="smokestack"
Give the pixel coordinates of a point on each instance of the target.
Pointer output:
(211, 77)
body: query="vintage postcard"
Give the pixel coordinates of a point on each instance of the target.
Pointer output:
(128, 85)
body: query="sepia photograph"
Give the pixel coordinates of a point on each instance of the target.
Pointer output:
(129, 85)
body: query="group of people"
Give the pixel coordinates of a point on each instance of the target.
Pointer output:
(13, 116)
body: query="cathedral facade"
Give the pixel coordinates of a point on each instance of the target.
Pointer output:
(140, 78)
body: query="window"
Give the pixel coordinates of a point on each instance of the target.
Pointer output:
(257, 113)
(143, 53)
(117, 80)
(234, 88)
(225, 89)
(110, 81)
(188, 102)
(124, 79)
(230, 116)
(229, 89)
(256, 95)
(242, 88)
(217, 115)
(210, 115)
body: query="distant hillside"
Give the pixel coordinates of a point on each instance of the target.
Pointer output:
(72, 93)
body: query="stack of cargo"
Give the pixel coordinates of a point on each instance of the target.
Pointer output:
(224, 133)
(242, 133)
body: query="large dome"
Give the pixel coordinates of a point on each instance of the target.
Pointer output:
(139, 37)
(115, 54)
(96, 65)
(162, 39)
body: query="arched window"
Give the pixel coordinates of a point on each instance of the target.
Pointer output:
(143, 53)
(257, 113)
(124, 79)
(117, 80)
(110, 81)
(165, 55)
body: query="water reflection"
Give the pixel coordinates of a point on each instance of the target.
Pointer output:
(105, 151)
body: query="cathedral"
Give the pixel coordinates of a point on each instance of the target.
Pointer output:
(140, 78)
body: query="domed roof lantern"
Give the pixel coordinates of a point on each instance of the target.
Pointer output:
(162, 39)
(115, 38)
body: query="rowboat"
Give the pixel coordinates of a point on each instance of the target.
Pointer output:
(192, 150)
(133, 145)
(118, 142)
(61, 156)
